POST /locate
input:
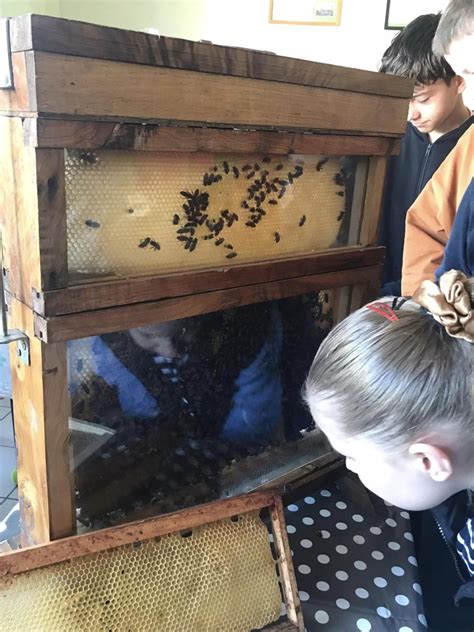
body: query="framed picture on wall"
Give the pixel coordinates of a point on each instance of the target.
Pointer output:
(306, 12)
(399, 13)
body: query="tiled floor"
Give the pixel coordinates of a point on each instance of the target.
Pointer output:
(8, 490)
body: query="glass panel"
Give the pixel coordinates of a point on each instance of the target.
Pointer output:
(145, 212)
(191, 410)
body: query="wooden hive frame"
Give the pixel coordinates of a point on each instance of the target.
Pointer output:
(79, 85)
(23, 561)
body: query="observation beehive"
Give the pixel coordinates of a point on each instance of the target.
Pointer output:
(182, 223)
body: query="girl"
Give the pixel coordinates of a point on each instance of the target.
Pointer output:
(392, 387)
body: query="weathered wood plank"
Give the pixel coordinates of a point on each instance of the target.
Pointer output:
(34, 221)
(287, 574)
(129, 136)
(50, 186)
(20, 98)
(373, 200)
(66, 37)
(77, 546)
(42, 409)
(77, 86)
(100, 295)
(113, 319)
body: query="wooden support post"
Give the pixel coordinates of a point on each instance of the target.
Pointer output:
(287, 575)
(41, 413)
(373, 200)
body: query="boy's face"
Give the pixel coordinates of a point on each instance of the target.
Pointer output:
(432, 104)
(395, 477)
(461, 60)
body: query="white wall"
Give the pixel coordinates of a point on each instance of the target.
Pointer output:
(358, 42)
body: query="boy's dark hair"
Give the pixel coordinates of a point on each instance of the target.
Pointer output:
(456, 22)
(410, 54)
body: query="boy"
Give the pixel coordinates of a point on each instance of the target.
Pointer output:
(430, 219)
(437, 118)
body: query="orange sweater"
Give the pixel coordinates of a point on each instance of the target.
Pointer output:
(429, 220)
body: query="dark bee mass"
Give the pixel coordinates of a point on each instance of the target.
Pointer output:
(92, 223)
(277, 237)
(302, 220)
(321, 164)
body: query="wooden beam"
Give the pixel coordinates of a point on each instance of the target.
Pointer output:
(81, 87)
(287, 574)
(20, 98)
(100, 295)
(41, 409)
(66, 37)
(59, 133)
(373, 201)
(92, 323)
(70, 548)
(34, 221)
(50, 185)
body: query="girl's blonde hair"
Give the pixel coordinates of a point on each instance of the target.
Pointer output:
(393, 380)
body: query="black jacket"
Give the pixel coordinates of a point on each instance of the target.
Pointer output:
(407, 175)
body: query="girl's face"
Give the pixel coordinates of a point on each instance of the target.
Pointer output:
(397, 477)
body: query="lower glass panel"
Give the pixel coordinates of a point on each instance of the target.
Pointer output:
(186, 411)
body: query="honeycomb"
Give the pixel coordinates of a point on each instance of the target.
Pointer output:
(132, 213)
(220, 577)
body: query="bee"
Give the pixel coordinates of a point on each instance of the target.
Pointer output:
(144, 243)
(256, 167)
(187, 194)
(244, 204)
(290, 178)
(131, 211)
(154, 245)
(277, 237)
(226, 166)
(282, 192)
(298, 169)
(302, 220)
(272, 202)
(274, 188)
(340, 193)
(88, 157)
(338, 179)
(175, 219)
(85, 388)
(266, 159)
(321, 164)
(186, 229)
(236, 172)
(229, 247)
(92, 223)
(250, 224)
(246, 167)
(193, 244)
(283, 183)
(231, 255)
(218, 178)
(326, 297)
(214, 168)
(279, 167)
(250, 175)
(219, 241)
(340, 216)
(179, 238)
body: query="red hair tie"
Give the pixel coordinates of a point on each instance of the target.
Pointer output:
(383, 310)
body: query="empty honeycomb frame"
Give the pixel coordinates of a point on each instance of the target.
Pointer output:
(211, 571)
(89, 250)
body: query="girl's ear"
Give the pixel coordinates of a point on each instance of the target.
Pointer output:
(432, 461)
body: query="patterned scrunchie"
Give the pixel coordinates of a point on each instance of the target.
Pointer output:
(449, 303)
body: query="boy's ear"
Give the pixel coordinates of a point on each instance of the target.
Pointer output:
(460, 84)
(432, 461)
